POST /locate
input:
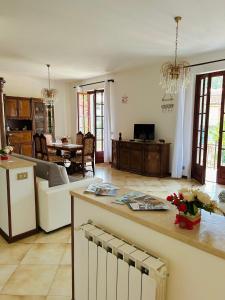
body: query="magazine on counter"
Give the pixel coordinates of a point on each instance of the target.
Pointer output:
(128, 197)
(102, 189)
(139, 201)
(147, 203)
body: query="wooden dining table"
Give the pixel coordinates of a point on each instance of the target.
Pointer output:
(72, 148)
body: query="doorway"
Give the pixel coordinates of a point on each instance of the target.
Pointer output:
(208, 157)
(91, 118)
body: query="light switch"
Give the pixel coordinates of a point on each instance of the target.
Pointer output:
(22, 176)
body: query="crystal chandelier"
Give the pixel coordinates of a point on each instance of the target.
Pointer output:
(47, 93)
(175, 75)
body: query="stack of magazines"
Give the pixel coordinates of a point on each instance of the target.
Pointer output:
(102, 189)
(139, 201)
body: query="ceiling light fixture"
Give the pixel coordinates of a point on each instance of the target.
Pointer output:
(175, 75)
(47, 93)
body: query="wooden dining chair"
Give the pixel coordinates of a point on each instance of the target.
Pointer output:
(46, 155)
(37, 146)
(79, 138)
(87, 153)
(49, 140)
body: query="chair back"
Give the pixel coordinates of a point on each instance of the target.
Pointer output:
(49, 138)
(37, 145)
(79, 138)
(44, 148)
(89, 145)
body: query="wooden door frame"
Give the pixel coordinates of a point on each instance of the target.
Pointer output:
(196, 124)
(222, 111)
(99, 156)
(210, 75)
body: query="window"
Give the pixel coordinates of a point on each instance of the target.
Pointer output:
(91, 118)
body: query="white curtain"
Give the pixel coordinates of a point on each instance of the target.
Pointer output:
(178, 150)
(77, 90)
(107, 124)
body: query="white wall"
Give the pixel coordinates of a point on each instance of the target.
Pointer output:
(26, 86)
(141, 85)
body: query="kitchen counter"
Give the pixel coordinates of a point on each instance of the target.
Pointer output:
(15, 163)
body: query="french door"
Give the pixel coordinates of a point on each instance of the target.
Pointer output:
(91, 118)
(205, 96)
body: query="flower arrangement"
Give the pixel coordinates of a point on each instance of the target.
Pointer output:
(189, 204)
(5, 152)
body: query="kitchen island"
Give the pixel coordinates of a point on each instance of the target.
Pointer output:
(18, 199)
(195, 258)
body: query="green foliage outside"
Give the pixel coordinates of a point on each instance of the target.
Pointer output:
(213, 138)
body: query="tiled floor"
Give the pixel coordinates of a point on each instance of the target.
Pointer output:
(39, 267)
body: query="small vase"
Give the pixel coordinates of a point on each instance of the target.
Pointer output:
(4, 157)
(187, 221)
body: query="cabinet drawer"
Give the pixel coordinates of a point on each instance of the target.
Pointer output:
(152, 148)
(20, 137)
(26, 149)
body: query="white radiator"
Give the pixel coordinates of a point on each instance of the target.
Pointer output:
(117, 270)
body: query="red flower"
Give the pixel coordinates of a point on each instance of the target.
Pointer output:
(169, 198)
(181, 196)
(176, 202)
(182, 207)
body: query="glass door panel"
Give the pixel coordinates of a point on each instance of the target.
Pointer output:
(221, 144)
(99, 125)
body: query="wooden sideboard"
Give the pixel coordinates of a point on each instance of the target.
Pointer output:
(151, 159)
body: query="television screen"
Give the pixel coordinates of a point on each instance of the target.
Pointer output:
(144, 132)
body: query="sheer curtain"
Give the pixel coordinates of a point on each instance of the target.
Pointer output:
(107, 124)
(178, 150)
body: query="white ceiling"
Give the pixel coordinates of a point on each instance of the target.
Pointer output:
(87, 38)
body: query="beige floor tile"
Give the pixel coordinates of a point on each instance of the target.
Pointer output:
(3, 242)
(30, 239)
(32, 280)
(11, 297)
(59, 236)
(66, 259)
(12, 254)
(5, 272)
(58, 298)
(62, 285)
(44, 254)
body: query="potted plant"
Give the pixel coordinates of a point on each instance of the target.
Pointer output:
(189, 204)
(4, 152)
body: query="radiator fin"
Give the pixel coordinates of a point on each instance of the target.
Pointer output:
(111, 276)
(122, 280)
(149, 287)
(101, 278)
(134, 284)
(92, 280)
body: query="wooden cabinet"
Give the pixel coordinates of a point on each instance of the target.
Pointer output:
(39, 116)
(144, 158)
(26, 149)
(11, 110)
(24, 108)
(18, 107)
(23, 117)
(21, 142)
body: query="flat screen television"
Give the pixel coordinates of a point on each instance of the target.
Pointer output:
(144, 132)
